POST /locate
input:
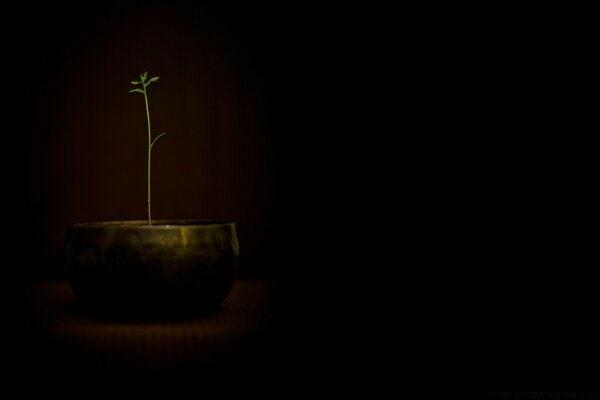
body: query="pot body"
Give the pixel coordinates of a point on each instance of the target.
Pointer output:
(129, 265)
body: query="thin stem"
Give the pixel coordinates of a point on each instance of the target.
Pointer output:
(149, 154)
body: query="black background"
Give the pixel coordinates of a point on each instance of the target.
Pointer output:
(277, 94)
(532, 197)
(233, 88)
(475, 157)
(269, 108)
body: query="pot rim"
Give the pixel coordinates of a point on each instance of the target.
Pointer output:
(156, 224)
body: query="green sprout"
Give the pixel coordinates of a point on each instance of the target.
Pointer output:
(145, 83)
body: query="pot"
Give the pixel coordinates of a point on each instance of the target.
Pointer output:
(132, 266)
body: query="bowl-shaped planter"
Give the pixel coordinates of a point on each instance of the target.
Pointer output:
(171, 265)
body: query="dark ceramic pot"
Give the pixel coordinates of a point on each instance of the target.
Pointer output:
(171, 265)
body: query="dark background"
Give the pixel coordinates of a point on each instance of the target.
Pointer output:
(270, 123)
(221, 98)
(437, 217)
(266, 109)
(533, 200)
(261, 103)
(278, 118)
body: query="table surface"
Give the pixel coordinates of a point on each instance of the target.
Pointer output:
(62, 338)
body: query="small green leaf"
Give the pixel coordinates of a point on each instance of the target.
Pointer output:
(144, 75)
(136, 90)
(156, 138)
(150, 81)
(135, 82)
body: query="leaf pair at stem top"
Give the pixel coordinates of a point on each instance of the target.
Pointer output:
(143, 82)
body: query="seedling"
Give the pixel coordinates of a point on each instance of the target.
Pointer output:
(144, 84)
